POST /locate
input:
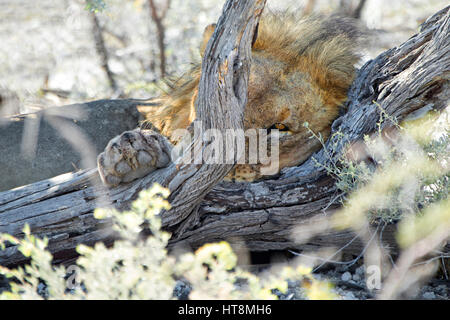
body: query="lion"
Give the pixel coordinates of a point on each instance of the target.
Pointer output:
(301, 70)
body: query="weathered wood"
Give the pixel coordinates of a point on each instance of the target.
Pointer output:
(222, 97)
(261, 216)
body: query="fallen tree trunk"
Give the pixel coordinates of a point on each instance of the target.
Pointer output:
(402, 81)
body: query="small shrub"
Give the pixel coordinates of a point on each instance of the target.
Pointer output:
(135, 268)
(411, 172)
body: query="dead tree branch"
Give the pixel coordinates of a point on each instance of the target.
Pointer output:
(101, 50)
(158, 19)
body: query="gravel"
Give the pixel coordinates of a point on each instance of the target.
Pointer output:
(50, 42)
(429, 295)
(345, 286)
(346, 276)
(350, 284)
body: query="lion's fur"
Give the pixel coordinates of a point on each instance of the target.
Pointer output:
(301, 71)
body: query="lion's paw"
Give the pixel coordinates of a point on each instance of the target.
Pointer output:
(132, 155)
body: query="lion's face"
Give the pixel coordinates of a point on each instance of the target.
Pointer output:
(300, 72)
(284, 97)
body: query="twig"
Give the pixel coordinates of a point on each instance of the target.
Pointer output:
(101, 50)
(161, 32)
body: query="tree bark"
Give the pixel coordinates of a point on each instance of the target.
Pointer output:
(348, 8)
(358, 10)
(402, 81)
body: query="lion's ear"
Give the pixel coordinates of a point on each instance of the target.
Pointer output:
(209, 30)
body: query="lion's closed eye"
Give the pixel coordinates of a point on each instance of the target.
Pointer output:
(279, 126)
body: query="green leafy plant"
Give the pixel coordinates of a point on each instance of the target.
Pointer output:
(397, 175)
(137, 268)
(411, 169)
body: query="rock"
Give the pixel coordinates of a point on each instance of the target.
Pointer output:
(98, 121)
(182, 290)
(442, 289)
(42, 290)
(346, 276)
(349, 296)
(360, 271)
(429, 295)
(356, 277)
